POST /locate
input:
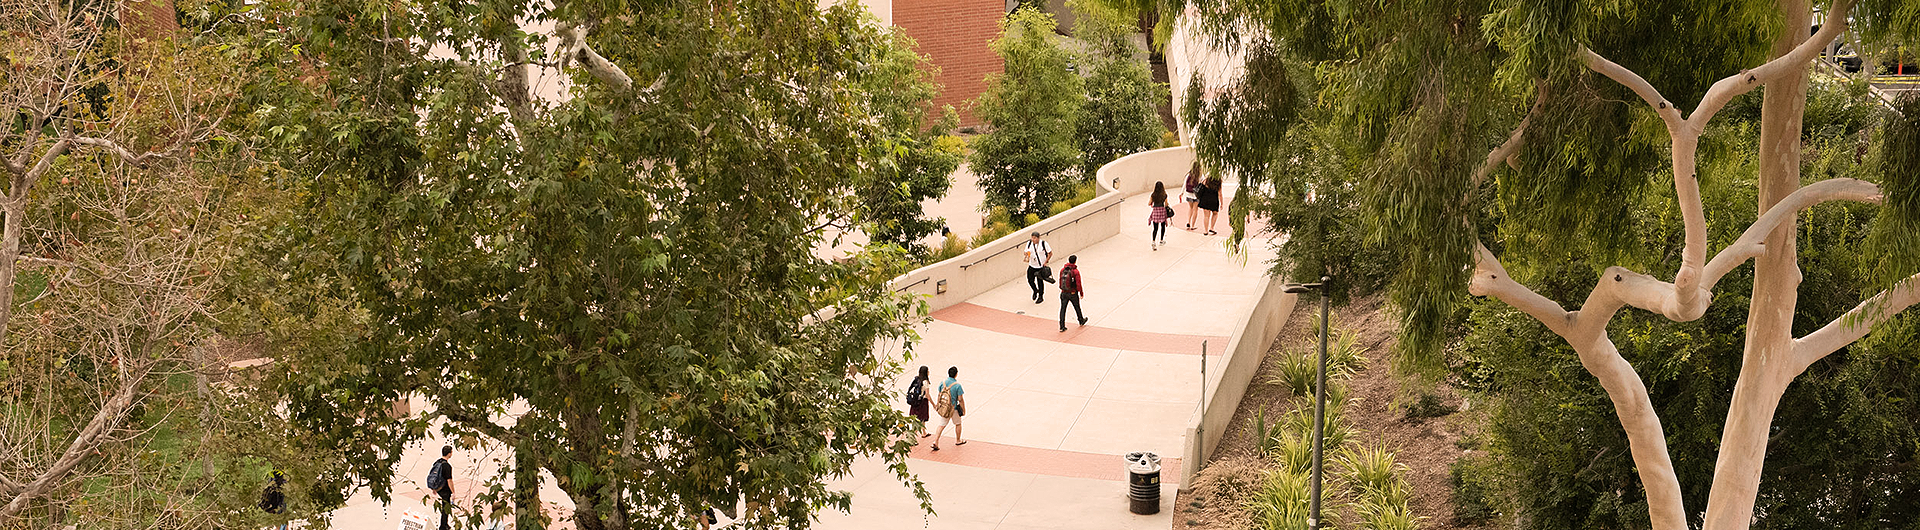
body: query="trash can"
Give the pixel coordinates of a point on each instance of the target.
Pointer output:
(1143, 483)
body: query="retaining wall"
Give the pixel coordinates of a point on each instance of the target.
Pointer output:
(1228, 372)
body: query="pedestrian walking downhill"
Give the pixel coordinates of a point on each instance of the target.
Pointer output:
(1071, 291)
(950, 404)
(1157, 214)
(440, 481)
(1039, 254)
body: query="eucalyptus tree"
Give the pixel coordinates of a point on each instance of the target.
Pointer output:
(1032, 107)
(1528, 127)
(628, 267)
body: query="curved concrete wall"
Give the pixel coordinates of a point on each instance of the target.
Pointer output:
(1228, 372)
(1000, 261)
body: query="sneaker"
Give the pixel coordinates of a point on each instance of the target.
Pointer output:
(1063, 329)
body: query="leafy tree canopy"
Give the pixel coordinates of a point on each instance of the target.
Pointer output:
(1033, 107)
(630, 264)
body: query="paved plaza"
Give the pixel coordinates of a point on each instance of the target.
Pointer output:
(1050, 413)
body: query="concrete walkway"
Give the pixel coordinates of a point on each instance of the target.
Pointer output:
(1050, 413)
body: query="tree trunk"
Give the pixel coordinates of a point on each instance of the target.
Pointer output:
(1767, 365)
(16, 218)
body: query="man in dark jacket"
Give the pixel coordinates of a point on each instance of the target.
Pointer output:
(1071, 290)
(440, 480)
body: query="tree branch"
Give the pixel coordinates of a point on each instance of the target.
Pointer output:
(1794, 61)
(1753, 242)
(104, 420)
(1633, 81)
(486, 426)
(1856, 323)
(111, 147)
(573, 47)
(1512, 146)
(1491, 279)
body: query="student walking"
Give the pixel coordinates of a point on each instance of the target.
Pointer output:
(273, 500)
(951, 405)
(1157, 215)
(1210, 202)
(1039, 253)
(439, 480)
(1192, 195)
(917, 395)
(1070, 291)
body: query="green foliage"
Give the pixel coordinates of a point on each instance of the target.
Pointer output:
(997, 225)
(1033, 107)
(1429, 406)
(917, 157)
(1371, 471)
(1896, 231)
(1553, 429)
(1474, 491)
(1282, 503)
(1120, 116)
(634, 265)
(1297, 372)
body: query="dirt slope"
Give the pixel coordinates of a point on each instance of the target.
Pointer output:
(1377, 412)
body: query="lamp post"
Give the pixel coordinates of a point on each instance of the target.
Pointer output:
(1319, 397)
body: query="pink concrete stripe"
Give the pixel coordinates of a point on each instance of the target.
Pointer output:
(1036, 461)
(995, 320)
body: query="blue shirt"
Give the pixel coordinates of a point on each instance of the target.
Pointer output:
(953, 389)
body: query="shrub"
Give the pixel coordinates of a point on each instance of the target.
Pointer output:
(1372, 471)
(1281, 504)
(1293, 451)
(1296, 373)
(1385, 516)
(953, 247)
(1429, 406)
(1472, 491)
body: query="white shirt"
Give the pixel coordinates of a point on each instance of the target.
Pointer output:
(1037, 257)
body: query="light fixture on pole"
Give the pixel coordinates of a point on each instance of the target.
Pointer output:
(1319, 397)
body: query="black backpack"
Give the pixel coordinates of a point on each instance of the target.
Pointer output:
(916, 393)
(272, 499)
(437, 478)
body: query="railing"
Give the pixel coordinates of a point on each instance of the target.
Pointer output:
(988, 266)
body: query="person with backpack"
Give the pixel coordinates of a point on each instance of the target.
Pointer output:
(917, 394)
(1039, 253)
(273, 500)
(951, 405)
(1071, 290)
(438, 481)
(1157, 215)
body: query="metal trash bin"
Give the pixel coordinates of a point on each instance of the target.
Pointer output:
(1143, 482)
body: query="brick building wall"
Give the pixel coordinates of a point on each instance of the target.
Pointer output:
(152, 19)
(954, 35)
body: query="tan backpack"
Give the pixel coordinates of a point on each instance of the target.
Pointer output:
(944, 404)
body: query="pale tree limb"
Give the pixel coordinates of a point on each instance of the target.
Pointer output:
(106, 419)
(1639, 85)
(1753, 241)
(1585, 330)
(1792, 63)
(1511, 147)
(1856, 323)
(573, 47)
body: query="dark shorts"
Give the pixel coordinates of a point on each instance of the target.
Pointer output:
(919, 411)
